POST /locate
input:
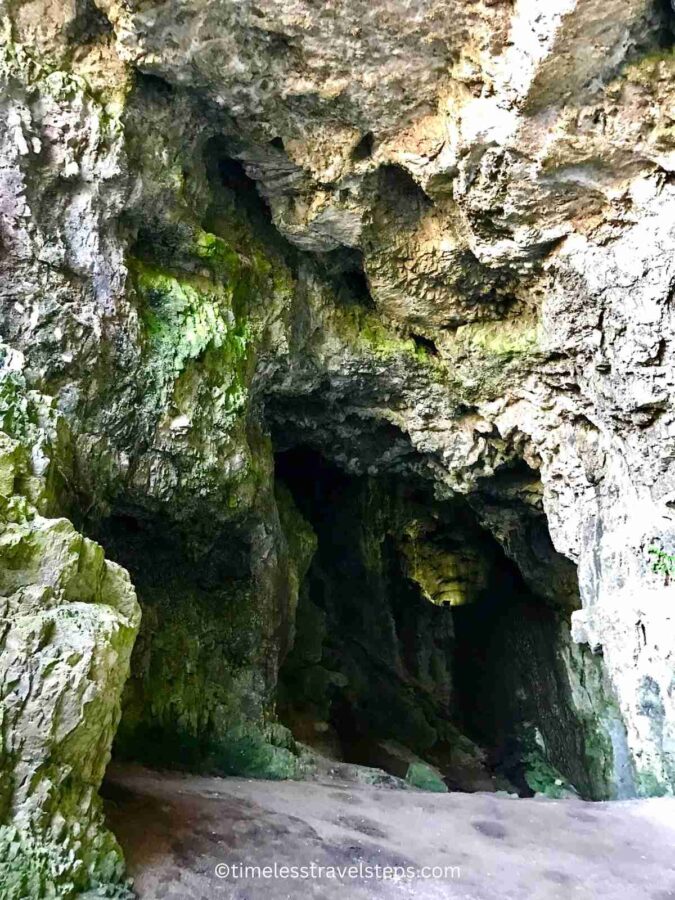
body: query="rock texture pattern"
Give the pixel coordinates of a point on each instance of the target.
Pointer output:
(68, 619)
(432, 241)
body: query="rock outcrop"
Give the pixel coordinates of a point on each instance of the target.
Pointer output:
(68, 619)
(433, 243)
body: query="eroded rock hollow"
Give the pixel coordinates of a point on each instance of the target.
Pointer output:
(336, 381)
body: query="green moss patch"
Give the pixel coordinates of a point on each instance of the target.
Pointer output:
(425, 778)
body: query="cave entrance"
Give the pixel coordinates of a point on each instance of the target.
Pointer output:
(514, 690)
(417, 641)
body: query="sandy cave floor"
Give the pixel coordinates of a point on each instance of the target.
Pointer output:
(175, 829)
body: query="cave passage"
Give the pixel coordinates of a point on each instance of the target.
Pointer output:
(415, 645)
(418, 640)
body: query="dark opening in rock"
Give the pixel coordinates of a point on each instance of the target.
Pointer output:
(89, 24)
(197, 633)
(364, 148)
(148, 84)
(668, 10)
(425, 343)
(239, 211)
(344, 269)
(417, 640)
(401, 194)
(233, 177)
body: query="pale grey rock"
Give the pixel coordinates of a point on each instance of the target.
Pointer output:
(68, 620)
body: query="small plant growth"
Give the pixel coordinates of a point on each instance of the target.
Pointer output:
(662, 563)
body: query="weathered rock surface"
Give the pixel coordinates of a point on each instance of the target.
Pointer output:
(176, 830)
(430, 241)
(68, 619)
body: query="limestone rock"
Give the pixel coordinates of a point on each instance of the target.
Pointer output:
(68, 619)
(430, 241)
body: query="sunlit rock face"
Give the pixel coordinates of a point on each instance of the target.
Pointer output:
(429, 241)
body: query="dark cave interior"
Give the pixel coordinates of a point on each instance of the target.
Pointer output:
(415, 639)
(474, 687)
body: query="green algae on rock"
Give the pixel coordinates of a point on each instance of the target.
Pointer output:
(425, 778)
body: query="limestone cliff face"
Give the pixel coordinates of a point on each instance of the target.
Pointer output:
(68, 619)
(432, 241)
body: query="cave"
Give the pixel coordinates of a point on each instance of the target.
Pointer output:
(336, 447)
(328, 606)
(415, 643)
(364, 148)
(195, 638)
(417, 639)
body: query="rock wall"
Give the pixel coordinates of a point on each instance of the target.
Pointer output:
(68, 619)
(430, 241)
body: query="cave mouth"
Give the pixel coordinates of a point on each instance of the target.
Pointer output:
(417, 641)
(412, 643)
(199, 640)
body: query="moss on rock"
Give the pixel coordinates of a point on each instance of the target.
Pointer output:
(68, 620)
(425, 778)
(185, 318)
(32, 868)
